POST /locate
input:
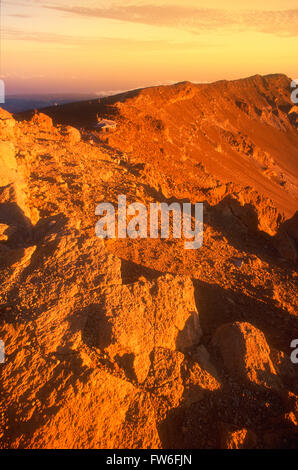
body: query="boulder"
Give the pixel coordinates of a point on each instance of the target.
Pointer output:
(41, 120)
(246, 354)
(137, 318)
(70, 134)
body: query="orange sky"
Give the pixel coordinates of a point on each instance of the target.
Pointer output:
(106, 46)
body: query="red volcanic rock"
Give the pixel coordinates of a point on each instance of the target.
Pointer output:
(71, 134)
(165, 375)
(112, 414)
(41, 120)
(8, 164)
(145, 315)
(286, 240)
(3, 232)
(246, 354)
(5, 115)
(6, 119)
(7, 124)
(238, 439)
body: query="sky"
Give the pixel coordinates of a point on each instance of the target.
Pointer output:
(106, 46)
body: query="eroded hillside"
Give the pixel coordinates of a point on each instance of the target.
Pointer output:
(141, 343)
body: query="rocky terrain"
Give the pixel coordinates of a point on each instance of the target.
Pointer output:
(140, 343)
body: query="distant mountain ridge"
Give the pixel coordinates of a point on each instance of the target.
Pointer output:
(19, 103)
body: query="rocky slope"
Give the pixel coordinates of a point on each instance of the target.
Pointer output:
(141, 343)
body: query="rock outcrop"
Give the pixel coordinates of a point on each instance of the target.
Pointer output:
(7, 124)
(239, 439)
(8, 164)
(286, 240)
(135, 319)
(70, 134)
(246, 354)
(42, 121)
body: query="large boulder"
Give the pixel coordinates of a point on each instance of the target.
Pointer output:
(246, 354)
(137, 318)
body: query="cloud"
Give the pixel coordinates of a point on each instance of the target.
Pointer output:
(81, 41)
(19, 15)
(196, 20)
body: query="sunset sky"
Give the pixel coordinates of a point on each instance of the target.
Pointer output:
(106, 46)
